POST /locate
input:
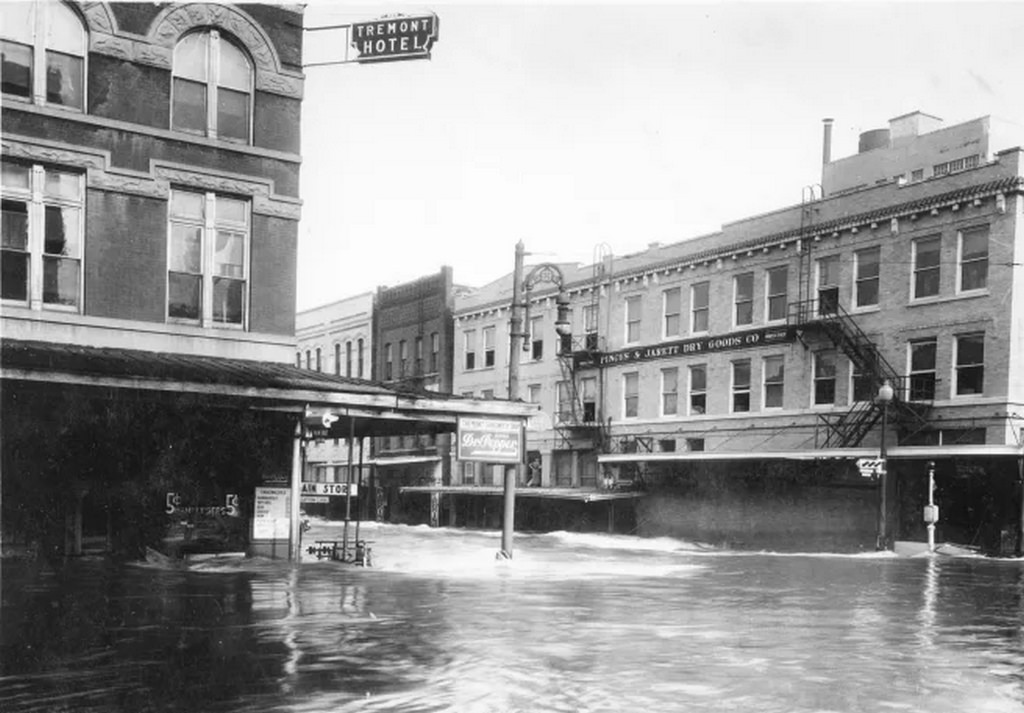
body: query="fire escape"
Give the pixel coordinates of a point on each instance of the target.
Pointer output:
(822, 314)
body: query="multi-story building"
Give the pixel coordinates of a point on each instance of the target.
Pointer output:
(738, 375)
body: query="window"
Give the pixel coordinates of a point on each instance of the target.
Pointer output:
(741, 385)
(778, 278)
(43, 231)
(403, 359)
(435, 351)
(348, 358)
(536, 338)
(631, 394)
(922, 369)
(970, 364)
(866, 284)
(863, 387)
(488, 346)
(633, 319)
(590, 326)
(669, 391)
(588, 385)
(825, 378)
(212, 87)
(389, 358)
(672, 305)
(698, 389)
(533, 394)
(359, 357)
(469, 341)
(563, 402)
(927, 253)
(207, 262)
(42, 53)
(828, 284)
(468, 473)
(917, 174)
(418, 356)
(298, 359)
(319, 364)
(973, 259)
(774, 381)
(337, 359)
(487, 394)
(699, 295)
(309, 359)
(958, 164)
(743, 289)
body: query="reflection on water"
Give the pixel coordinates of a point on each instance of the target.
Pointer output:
(573, 623)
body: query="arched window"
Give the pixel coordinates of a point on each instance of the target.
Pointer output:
(42, 50)
(212, 92)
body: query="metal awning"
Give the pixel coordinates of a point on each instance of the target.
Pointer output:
(895, 452)
(586, 496)
(355, 406)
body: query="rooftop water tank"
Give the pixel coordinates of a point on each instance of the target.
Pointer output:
(874, 139)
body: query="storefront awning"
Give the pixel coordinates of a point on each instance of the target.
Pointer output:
(895, 452)
(355, 407)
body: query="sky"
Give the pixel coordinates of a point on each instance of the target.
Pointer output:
(572, 126)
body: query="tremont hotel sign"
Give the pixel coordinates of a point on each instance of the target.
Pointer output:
(689, 347)
(395, 37)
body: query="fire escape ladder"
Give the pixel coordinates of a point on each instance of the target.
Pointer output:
(848, 429)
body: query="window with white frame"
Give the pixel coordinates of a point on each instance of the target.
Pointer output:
(469, 348)
(630, 394)
(590, 326)
(633, 308)
(43, 47)
(973, 259)
(741, 385)
(774, 375)
(488, 334)
(824, 378)
(43, 233)
(828, 284)
(777, 293)
(208, 259)
(533, 393)
(862, 386)
(403, 359)
(699, 307)
(922, 368)
(588, 387)
(669, 391)
(389, 360)
(970, 364)
(743, 291)
(698, 389)
(927, 253)
(536, 338)
(212, 87)
(672, 301)
(867, 269)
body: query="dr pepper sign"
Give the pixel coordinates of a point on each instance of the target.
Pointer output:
(490, 440)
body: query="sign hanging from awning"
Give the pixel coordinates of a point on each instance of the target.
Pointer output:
(490, 440)
(394, 37)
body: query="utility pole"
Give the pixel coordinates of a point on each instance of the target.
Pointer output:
(512, 475)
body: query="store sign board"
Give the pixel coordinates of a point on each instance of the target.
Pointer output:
(394, 38)
(689, 347)
(330, 489)
(272, 514)
(490, 440)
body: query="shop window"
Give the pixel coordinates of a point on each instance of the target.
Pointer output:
(488, 334)
(699, 307)
(43, 48)
(208, 265)
(970, 364)
(212, 87)
(922, 369)
(672, 301)
(669, 391)
(774, 381)
(973, 251)
(631, 394)
(866, 264)
(927, 266)
(43, 233)
(698, 389)
(778, 278)
(824, 378)
(743, 289)
(741, 386)
(633, 311)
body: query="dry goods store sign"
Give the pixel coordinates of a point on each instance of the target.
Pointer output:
(490, 440)
(392, 38)
(691, 347)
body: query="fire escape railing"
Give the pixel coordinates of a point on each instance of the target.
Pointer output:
(574, 418)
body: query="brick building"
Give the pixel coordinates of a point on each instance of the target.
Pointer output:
(735, 375)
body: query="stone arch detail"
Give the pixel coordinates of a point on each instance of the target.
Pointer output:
(98, 18)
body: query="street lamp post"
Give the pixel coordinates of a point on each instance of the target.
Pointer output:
(885, 395)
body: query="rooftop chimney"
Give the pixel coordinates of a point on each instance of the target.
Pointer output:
(826, 148)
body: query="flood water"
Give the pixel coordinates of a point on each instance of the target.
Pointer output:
(573, 623)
